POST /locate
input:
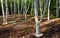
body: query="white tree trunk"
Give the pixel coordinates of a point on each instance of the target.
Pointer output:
(6, 10)
(3, 11)
(6, 5)
(36, 17)
(49, 9)
(38, 33)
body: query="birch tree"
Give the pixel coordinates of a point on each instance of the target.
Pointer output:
(6, 9)
(3, 12)
(38, 33)
(45, 6)
(44, 10)
(41, 8)
(49, 9)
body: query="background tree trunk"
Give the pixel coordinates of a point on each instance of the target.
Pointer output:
(57, 9)
(14, 8)
(6, 10)
(25, 13)
(18, 8)
(11, 6)
(3, 11)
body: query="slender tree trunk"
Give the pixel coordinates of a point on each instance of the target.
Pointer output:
(6, 5)
(21, 6)
(38, 34)
(6, 10)
(57, 9)
(27, 8)
(18, 8)
(45, 7)
(32, 8)
(36, 17)
(14, 8)
(49, 9)
(25, 13)
(41, 9)
(3, 11)
(11, 6)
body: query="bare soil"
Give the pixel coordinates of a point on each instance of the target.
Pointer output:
(26, 29)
